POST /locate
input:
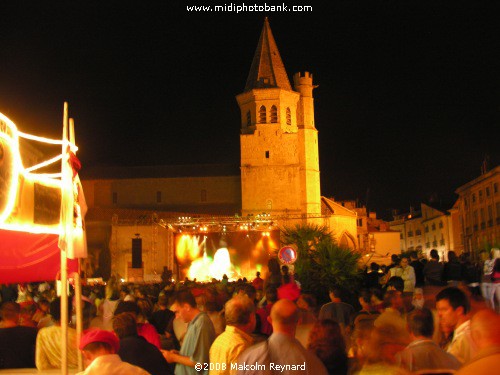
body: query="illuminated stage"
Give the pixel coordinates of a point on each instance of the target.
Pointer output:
(237, 254)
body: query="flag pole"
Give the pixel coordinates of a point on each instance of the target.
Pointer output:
(64, 259)
(78, 285)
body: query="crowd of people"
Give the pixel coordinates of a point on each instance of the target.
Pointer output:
(263, 326)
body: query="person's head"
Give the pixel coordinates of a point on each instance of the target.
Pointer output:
(452, 257)
(377, 296)
(55, 309)
(434, 254)
(421, 323)
(127, 307)
(374, 267)
(452, 306)
(112, 291)
(97, 342)
(393, 299)
(485, 329)
(306, 301)
(239, 311)
(125, 325)
(44, 305)
(327, 342)
(271, 294)
(284, 317)
(404, 261)
(257, 274)
(184, 305)
(249, 290)
(396, 283)
(10, 312)
(395, 259)
(336, 294)
(365, 299)
(418, 300)
(413, 255)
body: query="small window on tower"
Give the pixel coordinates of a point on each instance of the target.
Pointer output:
(249, 119)
(267, 154)
(158, 197)
(274, 114)
(288, 116)
(262, 115)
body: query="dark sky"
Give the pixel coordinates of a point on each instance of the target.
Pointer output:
(407, 107)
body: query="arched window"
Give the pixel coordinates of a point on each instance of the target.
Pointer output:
(274, 114)
(262, 115)
(249, 119)
(288, 116)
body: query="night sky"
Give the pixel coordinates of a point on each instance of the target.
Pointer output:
(407, 107)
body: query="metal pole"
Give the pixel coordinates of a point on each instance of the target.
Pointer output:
(64, 265)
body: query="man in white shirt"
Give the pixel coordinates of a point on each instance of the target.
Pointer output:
(453, 308)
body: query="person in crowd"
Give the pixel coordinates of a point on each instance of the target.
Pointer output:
(240, 323)
(359, 341)
(407, 273)
(395, 283)
(198, 339)
(485, 331)
(418, 299)
(281, 349)
(274, 276)
(48, 341)
(337, 310)
(17, 343)
(453, 308)
(418, 267)
(487, 284)
(163, 320)
(264, 327)
(99, 348)
(377, 300)
(433, 270)
(423, 353)
(135, 349)
(394, 262)
(288, 288)
(125, 294)
(108, 306)
(496, 280)
(364, 299)
(327, 342)
(372, 276)
(453, 270)
(392, 319)
(258, 282)
(308, 316)
(42, 316)
(145, 329)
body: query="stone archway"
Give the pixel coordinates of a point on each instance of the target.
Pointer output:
(346, 240)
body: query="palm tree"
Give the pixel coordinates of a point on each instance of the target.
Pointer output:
(321, 262)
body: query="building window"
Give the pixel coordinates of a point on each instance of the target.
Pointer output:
(288, 116)
(433, 226)
(203, 195)
(158, 197)
(359, 222)
(495, 188)
(487, 191)
(418, 232)
(410, 234)
(440, 224)
(249, 119)
(401, 236)
(274, 114)
(473, 198)
(426, 229)
(262, 115)
(480, 195)
(441, 242)
(267, 154)
(427, 245)
(115, 197)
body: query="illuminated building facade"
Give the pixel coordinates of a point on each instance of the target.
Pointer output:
(478, 209)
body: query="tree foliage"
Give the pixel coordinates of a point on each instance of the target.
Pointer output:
(321, 262)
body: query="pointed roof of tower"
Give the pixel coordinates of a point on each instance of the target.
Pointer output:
(267, 68)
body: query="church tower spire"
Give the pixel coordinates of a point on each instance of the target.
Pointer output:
(279, 147)
(267, 68)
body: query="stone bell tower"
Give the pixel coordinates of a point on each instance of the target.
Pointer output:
(279, 142)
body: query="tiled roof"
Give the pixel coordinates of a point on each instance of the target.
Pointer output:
(267, 70)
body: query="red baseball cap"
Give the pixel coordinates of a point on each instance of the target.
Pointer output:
(100, 335)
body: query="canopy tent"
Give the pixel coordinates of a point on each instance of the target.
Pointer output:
(42, 218)
(39, 212)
